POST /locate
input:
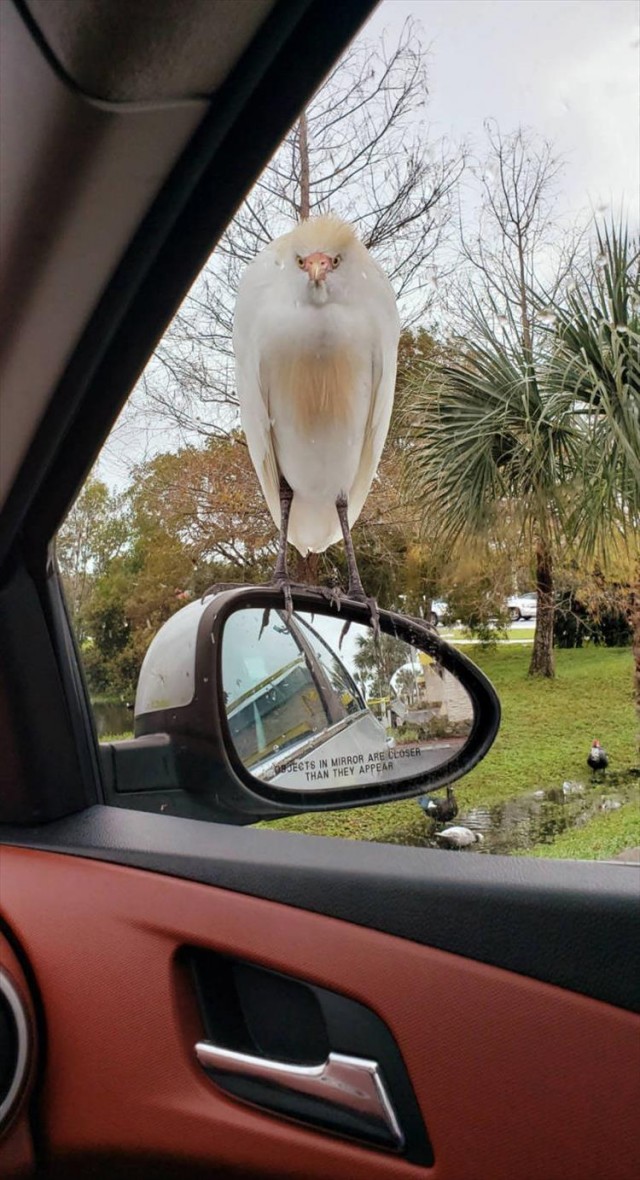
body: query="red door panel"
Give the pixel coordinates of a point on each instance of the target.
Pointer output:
(16, 1145)
(515, 1078)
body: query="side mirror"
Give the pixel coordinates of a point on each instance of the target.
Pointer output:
(266, 714)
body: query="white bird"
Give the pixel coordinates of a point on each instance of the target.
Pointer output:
(316, 339)
(459, 837)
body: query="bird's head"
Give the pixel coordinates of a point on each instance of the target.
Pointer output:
(595, 745)
(322, 251)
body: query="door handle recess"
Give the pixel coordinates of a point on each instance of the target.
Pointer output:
(344, 1094)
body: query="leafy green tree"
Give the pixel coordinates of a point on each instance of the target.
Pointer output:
(208, 500)
(487, 450)
(594, 374)
(377, 659)
(189, 519)
(108, 642)
(95, 531)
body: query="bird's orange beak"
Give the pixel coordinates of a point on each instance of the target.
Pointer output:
(317, 265)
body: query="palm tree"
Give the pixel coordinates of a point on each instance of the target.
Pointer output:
(548, 437)
(377, 658)
(595, 368)
(488, 444)
(595, 372)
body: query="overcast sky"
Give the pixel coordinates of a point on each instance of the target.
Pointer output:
(568, 68)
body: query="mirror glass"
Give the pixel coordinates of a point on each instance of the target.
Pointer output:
(312, 709)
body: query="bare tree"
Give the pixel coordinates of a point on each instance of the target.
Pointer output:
(361, 150)
(500, 450)
(519, 247)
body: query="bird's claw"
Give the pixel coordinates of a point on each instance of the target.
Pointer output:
(285, 585)
(374, 612)
(375, 617)
(334, 595)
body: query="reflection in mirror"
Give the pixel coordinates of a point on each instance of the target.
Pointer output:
(307, 712)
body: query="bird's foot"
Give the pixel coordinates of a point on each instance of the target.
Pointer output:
(357, 594)
(334, 595)
(283, 583)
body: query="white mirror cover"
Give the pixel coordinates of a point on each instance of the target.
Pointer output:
(167, 676)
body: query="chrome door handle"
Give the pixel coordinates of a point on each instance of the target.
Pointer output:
(350, 1084)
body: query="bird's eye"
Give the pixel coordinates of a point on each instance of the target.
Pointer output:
(336, 260)
(300, 262)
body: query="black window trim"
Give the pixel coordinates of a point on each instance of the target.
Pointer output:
(247, 120)
(249, 115)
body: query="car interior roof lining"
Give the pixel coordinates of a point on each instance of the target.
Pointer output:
(171, 49)
(245, 124)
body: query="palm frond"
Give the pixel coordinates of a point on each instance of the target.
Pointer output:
(484, 441)
(595, 366)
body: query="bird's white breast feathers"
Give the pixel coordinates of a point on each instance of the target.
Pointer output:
(315, 386)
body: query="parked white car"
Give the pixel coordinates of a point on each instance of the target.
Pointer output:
(523, 606)
(519, 606)
(438, 611)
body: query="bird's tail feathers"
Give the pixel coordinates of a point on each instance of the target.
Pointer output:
(318, 525)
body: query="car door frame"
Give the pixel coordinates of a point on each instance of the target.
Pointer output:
(569, 926)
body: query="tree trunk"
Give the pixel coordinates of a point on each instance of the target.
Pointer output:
(525, 319)
(307, 568)
(542, 660)
(634, 620)
(303, 153)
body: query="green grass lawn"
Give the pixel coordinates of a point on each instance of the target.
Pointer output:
(517, 634)
(547, 729)
(600, 839)
(548, 725)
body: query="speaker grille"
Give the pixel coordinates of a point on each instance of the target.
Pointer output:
(14, 1047)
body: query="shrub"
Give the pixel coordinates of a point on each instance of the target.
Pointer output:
(575, 624)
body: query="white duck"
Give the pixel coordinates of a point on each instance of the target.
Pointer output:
(459, 837)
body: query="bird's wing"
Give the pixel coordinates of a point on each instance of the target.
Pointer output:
(254, 412)
(386, 332)
(251, 386)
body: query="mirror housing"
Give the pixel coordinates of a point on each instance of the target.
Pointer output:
(184, 758)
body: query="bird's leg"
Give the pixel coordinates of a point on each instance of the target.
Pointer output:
(281, 573)
(355, 588)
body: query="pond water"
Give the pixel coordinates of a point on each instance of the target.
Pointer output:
(538, 817)
(112, 717)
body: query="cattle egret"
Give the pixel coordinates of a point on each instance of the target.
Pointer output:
(316, 339)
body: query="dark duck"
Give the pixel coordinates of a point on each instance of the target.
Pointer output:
(441, 810)
(597, 759)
